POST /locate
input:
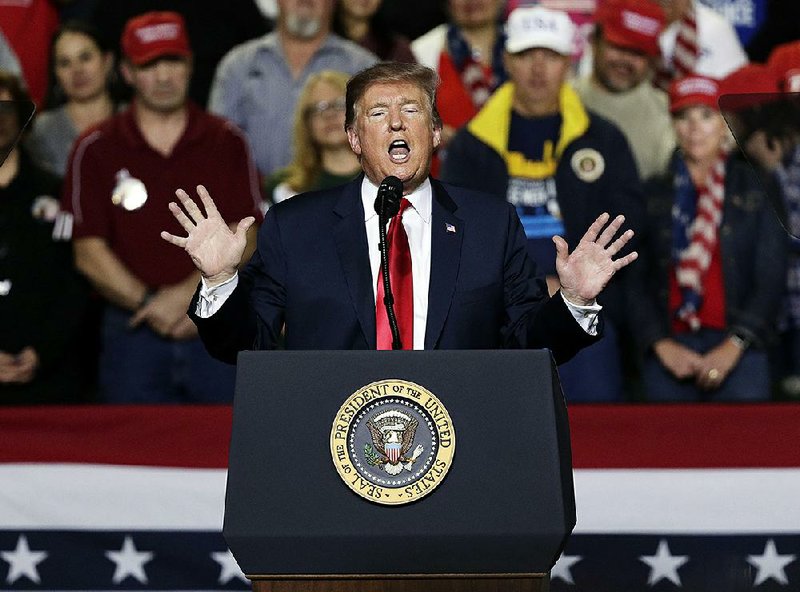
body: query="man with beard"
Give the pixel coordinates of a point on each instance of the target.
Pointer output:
(120, 177)
(624, 55)
(257, 84)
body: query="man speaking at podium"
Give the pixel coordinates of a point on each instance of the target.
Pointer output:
(460, 274)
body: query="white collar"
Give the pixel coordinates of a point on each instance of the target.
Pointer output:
(421, 199)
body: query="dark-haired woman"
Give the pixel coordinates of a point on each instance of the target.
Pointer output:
(82, 70)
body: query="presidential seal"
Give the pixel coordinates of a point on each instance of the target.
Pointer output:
(392, 442)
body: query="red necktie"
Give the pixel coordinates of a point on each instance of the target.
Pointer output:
(402, 287)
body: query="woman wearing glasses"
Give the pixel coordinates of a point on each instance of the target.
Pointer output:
(322, 156)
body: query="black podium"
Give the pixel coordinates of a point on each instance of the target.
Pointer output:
(498, 520)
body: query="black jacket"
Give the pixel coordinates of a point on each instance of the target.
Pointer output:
(42, 300)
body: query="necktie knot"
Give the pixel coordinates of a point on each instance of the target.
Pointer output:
(404, 204)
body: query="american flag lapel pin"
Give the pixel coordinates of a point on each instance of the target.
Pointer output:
(450, 228)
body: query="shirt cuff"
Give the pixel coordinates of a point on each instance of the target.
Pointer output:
(586, 316)
(211, 298)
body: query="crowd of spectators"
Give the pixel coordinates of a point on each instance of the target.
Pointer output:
(137, 99)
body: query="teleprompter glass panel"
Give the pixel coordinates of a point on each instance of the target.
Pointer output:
(15, 116)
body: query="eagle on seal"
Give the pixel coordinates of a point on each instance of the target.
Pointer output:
(392, 435)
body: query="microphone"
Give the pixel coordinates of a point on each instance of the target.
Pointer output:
(387, 204)
(390, 192)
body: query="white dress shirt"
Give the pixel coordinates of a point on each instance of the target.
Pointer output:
(417, 224)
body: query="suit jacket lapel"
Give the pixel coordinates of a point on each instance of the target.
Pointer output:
(351, 247)
(447, 231)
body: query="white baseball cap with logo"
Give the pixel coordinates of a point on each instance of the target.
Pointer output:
(535, 26)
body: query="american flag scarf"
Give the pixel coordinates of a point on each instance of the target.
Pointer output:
(479, 83)
(696, 218)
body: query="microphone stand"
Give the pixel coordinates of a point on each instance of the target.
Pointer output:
(388, 297)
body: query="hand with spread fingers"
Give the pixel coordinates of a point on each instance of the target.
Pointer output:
(587, 270)
(215, 250)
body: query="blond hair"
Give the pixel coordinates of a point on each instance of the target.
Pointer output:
(306, 162)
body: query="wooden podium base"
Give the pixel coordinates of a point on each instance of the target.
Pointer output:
(512, 583)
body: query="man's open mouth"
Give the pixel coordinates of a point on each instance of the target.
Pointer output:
(399, 151)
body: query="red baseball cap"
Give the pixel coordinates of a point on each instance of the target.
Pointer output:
(155, 34)
(785, 62)
(749, 86)
(632, 24)
(691, 91)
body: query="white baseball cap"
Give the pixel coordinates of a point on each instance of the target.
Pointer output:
(536, 26)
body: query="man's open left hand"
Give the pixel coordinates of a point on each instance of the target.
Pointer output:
(586, 271)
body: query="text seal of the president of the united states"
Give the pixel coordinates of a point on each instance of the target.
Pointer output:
(392, 442)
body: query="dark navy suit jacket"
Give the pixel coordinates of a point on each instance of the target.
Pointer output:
(310, 279)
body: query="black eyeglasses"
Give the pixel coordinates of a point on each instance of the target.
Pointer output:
(323, 107)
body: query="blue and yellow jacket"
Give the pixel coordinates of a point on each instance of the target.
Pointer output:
(478, 158)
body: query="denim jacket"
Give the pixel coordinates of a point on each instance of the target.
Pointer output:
(753, 247)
